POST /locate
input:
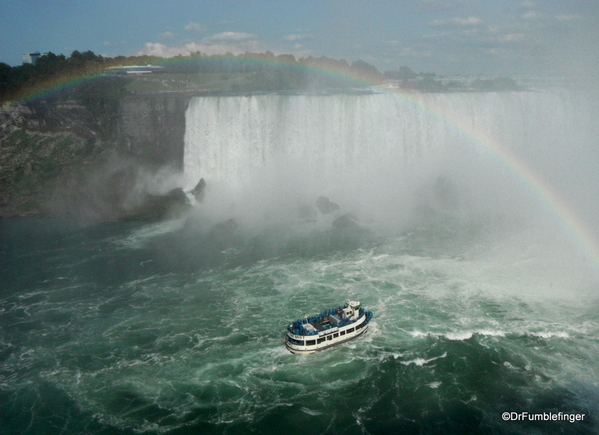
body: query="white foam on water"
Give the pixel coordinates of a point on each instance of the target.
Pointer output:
(549, 334)
(460, 336)
(423, 361)
(140, 236)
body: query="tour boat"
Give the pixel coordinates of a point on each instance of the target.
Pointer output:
(327, 329)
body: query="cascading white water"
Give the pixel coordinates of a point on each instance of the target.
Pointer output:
(373, 150)
(228, 136)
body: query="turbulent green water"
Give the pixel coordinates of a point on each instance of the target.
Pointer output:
(128, 328)
(484, 300)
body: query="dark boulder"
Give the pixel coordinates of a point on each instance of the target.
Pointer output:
(325, 205)
(177, 196)
(158, 207)
(346, 221)
(199, 191)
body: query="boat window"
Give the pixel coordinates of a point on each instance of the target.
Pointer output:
(321, 340)
(335, 335)
(310, 342)
(296, 342)
(330, 337)
(350, 330)
(342, 332)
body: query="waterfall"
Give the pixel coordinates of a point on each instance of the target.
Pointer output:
(227, 138)
(373, 146)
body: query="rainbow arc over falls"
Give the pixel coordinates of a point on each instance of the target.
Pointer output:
(520, 169)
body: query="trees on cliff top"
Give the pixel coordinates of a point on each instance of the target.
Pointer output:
(277, 72)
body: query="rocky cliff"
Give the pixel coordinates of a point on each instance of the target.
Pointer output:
(151, 128)
(74, 157)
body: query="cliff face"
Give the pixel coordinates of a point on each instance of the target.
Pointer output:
(151, 128)
(65, 152)
(48, 117)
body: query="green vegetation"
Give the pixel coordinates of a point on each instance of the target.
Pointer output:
(406, 78)
(200, 73)
(496, 84)
(227, 73)
(19, 80)
(403, 73)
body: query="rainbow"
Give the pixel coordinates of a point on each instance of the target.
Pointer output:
(575, 227)
(571, 222)
(313, 66)
(54, 86)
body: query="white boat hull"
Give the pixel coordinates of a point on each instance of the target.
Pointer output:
(304, 344)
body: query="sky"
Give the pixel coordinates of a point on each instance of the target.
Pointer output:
(441, 36)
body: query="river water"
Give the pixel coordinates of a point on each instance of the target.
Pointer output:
(176, 327)
(129, 328)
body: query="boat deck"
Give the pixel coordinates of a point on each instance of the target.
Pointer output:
(330, 327)
(319, 324)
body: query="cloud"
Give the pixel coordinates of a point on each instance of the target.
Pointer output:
(529, 4)
(166, 35)
(231, 36)
(457, 22)
(572, 17)
(227, 42)
(532, 15)
(485, 36)
(296, 37)
(219, 44)
(194, 27)
(512, 37)
(437, 5)
(208, 47)
(158, 49)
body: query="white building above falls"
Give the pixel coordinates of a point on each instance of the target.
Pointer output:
(31, 57)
